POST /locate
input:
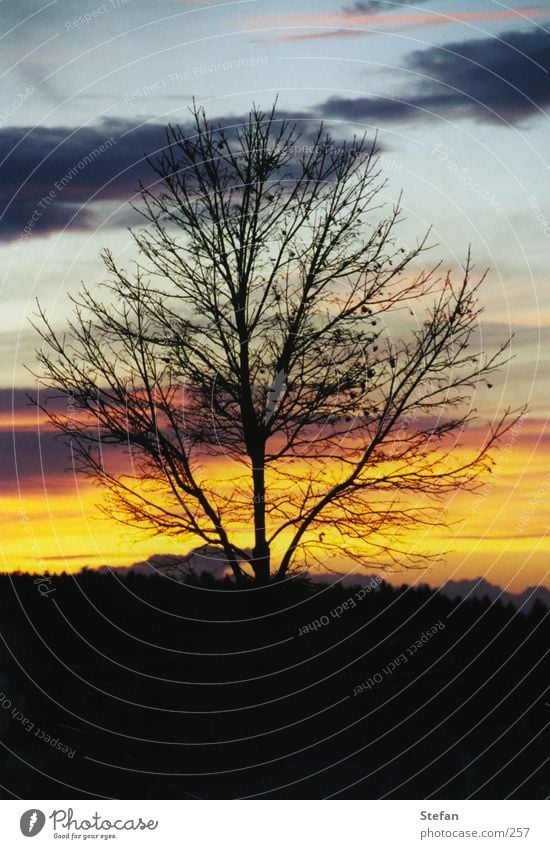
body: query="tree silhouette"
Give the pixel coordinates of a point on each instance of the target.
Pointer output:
(274, 320)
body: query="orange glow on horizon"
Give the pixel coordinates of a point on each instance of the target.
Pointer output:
(499, 531)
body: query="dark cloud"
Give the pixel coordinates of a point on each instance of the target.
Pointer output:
(371, 7)
(50, 178)
(34, 456)
(497, 80)
(13, 402)
(34, 460)
(57, 178)
(371, 109)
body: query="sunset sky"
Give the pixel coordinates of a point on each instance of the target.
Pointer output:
(459, 93)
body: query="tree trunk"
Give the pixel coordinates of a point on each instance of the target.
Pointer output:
(260, 552)
(260, 564)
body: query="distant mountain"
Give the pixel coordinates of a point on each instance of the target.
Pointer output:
(205, 559)
(466, 588)
(211, 559)
(479, 588)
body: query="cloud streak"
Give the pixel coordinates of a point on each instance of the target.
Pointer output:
(375, 22)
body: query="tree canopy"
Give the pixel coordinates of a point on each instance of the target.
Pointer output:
(289, 379)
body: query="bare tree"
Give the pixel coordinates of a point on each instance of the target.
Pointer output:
(265, 322)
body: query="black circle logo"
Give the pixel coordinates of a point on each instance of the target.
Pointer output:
(32, 822)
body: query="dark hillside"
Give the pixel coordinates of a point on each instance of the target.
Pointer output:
(142, 687)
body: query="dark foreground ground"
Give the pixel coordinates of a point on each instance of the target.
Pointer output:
(143, 687)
